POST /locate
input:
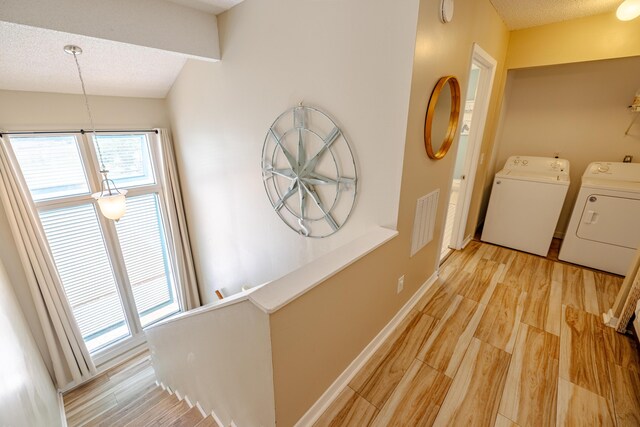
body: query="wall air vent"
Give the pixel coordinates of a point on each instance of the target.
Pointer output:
(424, 221)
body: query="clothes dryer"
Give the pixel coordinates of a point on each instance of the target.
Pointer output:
(604, 229)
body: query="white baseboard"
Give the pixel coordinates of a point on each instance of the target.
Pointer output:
(466, 241)
(610, 319)
(202, 411)
(217, 420)
(312, 415)
(63, 414)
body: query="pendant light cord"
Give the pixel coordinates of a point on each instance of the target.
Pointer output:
(86, 103)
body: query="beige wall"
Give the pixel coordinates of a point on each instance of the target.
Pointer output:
(350, 58)
(577, 110)
(27, 394)
(584, 39)
(28, 111)
(316, 337)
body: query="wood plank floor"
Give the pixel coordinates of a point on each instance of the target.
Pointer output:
(127, 395)
(502, 338)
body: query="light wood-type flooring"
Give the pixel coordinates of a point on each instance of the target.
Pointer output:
(127, 395)
(502, 338)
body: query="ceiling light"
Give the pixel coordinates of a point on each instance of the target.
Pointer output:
(111, 201)
(628, 10)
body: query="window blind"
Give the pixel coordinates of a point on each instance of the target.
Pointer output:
(127, 158)
(80, 255)
(51, 166)
(111, 300)
(142, 241)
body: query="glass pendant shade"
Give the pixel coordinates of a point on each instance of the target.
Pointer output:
(628, 10)
(112, 206)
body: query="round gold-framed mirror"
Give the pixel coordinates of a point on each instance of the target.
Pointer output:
(442, 117)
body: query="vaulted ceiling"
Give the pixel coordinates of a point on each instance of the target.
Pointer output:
(124, 52)
(34, 60)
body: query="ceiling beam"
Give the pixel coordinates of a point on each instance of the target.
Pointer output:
(155, 24)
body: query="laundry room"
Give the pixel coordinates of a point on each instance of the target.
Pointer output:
(578, 112)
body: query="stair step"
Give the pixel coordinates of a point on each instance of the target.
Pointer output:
(142, 418)
(98, 407)
(125, 415)
(188, 419)
(126, 405)
(207, 422)
(171, 415)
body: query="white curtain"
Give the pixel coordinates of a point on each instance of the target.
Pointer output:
(71, 360)
(181, 245)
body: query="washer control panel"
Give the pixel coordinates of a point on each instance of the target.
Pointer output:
(537, 164)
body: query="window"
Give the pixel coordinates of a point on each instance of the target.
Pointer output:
(117, 276)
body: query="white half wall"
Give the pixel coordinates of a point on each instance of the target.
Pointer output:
(219, 357)
(151, 23)
(352, 59)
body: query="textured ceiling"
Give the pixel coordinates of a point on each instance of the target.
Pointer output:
(518, 14)
(210, 6)
(33, 59)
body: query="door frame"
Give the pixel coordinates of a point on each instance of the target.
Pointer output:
(487, 65)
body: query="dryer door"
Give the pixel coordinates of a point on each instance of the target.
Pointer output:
(611, 220)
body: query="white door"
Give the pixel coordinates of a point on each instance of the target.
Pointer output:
(476, 107)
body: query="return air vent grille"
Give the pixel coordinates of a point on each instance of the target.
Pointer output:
(424, 221)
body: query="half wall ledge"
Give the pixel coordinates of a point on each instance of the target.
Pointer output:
(276, 294)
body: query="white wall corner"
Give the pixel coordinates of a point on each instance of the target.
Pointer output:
(63, 414)
(316, 410)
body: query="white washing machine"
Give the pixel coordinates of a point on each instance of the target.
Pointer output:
(526, 200)
(604, 230)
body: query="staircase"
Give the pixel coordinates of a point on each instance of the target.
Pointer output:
(156, 407)
(128, 395)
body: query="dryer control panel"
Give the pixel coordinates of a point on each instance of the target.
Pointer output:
(537, 164)
(614, 170)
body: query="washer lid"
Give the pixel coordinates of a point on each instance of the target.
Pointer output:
(558, 178)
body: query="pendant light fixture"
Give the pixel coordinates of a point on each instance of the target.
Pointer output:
(111, 200)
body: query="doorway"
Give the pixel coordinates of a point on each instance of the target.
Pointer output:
(481, 75)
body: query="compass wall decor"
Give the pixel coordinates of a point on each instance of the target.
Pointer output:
(309, 172)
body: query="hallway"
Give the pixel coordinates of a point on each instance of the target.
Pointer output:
(502, 338)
